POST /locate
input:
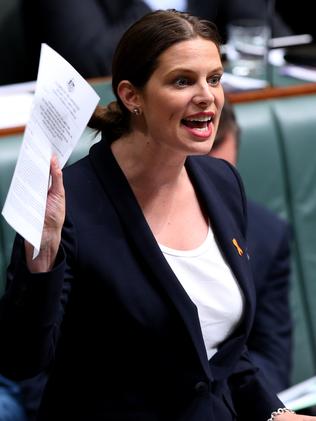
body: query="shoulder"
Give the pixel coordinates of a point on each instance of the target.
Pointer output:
(220, 182)
(82, 185)
(263, 220)
(77, 172)
(221, 174)
(80, 164)
(212, 167)
(269, 238)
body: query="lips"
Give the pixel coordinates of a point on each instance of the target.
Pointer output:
(199, 125)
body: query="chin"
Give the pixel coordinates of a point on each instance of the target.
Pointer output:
(203, 148)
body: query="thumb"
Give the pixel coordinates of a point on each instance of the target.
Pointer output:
(57, 176)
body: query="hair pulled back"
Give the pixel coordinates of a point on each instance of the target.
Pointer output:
(136, 58)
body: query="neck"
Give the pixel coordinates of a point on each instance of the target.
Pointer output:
(161, 185)
(147, 164)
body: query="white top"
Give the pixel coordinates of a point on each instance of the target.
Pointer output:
(211, 285)
(167, 4)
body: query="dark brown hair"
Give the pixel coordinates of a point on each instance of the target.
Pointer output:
(227, 123)
(136, 58)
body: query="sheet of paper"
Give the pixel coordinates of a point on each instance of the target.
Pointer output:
(307, 74)
(63, 104)
(301, 395)
(232, 82)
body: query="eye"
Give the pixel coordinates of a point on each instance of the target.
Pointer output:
(182, 82)
(214, 80)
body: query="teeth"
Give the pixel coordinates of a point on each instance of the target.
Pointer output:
(204, 118)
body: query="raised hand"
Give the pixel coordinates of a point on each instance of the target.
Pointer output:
(54, 219)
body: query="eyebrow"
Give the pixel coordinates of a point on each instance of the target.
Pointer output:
(219, 69)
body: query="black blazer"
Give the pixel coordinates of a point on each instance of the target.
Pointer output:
(119, 332)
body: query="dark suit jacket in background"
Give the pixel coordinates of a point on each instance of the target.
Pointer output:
(111, 320)
(270, 341)
(232, 10)
(86, 32)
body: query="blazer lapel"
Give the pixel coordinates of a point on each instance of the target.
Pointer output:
(139, 232)
(227, 231)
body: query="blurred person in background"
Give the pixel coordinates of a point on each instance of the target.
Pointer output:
(300, 19)
(86, 32)
(270, 340)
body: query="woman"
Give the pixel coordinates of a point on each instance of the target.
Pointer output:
(137, 315)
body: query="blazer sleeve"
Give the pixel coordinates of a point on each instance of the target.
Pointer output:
(252, 397)
(31, 310)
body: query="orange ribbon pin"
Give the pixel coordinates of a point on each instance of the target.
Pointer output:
(238, 248)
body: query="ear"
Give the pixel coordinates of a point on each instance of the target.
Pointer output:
(129, 95)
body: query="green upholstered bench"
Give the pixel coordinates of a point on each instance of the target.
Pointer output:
(9, 149)
(277, 165)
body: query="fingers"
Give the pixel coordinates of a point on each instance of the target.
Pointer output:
(57, 176)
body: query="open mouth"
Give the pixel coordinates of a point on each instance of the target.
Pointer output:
(201, 123)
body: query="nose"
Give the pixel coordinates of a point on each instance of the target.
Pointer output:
(204, 95)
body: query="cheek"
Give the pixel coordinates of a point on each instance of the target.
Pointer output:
(166, 107)
(169, 113)
(220, 97)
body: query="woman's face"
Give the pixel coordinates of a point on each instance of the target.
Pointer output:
(183, 98)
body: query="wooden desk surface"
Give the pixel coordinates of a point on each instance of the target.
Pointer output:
(270, 93)
(11, 131)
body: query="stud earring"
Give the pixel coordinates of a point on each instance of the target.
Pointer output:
(136, 111)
